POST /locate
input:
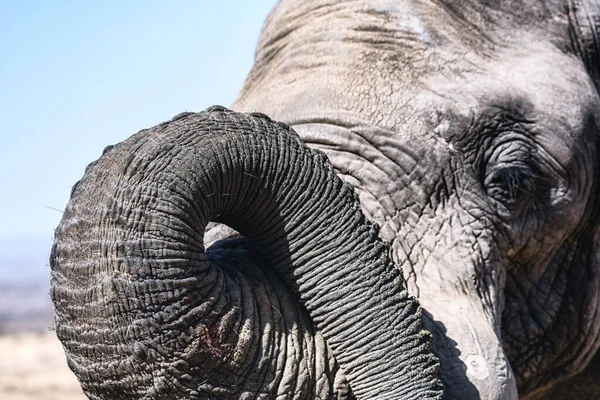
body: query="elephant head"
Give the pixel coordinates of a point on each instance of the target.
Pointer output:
(144, 311)
(469, 132)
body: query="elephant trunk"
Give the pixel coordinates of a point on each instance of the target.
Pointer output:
(144, 311)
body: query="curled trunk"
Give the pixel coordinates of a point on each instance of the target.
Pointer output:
(145, 311)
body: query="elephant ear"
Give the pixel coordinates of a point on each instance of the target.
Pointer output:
(584, 22)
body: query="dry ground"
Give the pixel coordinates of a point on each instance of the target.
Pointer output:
(33, 366)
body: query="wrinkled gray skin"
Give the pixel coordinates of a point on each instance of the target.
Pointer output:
(470, 132)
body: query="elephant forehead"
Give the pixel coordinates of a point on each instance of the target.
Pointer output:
(525, 81)
(398, 64)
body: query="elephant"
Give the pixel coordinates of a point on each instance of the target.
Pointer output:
(401, 203)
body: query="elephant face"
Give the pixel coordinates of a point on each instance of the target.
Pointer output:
(470, 132)
(503, 239)
(501, 234)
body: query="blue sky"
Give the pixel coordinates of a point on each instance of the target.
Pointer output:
(76, 76)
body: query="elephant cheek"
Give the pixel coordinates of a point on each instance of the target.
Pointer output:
(472, 362)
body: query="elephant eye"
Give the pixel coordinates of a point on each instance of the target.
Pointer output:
(511, 187)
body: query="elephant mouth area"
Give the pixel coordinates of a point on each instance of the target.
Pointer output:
(215, 232)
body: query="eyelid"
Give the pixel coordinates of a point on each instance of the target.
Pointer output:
(550, 164)
(502, 157)
(509, 174)
(516, 177)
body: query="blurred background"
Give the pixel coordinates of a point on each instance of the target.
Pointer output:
(74, 78)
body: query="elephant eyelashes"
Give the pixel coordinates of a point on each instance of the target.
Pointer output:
(512, 187)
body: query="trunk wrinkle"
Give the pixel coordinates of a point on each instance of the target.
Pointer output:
(144, 311)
